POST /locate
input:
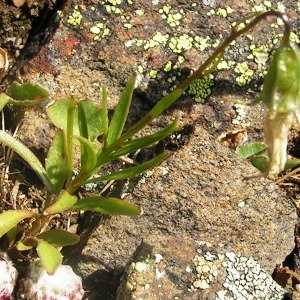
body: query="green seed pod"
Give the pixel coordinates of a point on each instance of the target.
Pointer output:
(281, 88)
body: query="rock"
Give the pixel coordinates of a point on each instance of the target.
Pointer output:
(225, 275)
(199, 193)
(196, 194)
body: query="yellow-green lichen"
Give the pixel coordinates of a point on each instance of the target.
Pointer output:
(224, 11)
(173, 19)
(139, 12)
(245, 73)
(153, 74)
(200, 89)
(225, 65)
(156, 40)
(75, 18)
(259, 54)
(111, 6)
(100, 30)
(201, 43)
(181, 43)
(168, 66)
(140, 69)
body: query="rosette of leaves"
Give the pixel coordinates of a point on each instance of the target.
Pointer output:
(79, 123)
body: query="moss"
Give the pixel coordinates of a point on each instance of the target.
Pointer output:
(201, 88)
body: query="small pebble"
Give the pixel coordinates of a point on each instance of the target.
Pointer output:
(200, 284)
(205, 269)
(140, 266)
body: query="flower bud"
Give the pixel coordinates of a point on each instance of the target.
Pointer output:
(281, 88)
(281, 94)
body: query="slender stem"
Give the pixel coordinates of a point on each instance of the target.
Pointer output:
(207, 67)
(235, 33)
(69, 139)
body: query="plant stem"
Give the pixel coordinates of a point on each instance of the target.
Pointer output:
(235, 33)
(207, 67)
(69, 139)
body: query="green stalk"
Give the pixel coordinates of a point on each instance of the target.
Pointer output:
(69, 139)
(104, 114)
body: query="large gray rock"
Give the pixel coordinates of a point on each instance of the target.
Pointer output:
(200, 193)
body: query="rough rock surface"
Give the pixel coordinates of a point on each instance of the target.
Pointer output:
(199, 193)
(176, 267)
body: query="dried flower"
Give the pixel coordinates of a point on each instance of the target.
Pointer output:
(8, 276)
(64, 284)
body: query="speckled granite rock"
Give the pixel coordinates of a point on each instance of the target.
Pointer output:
(177, 267)
(200, 193)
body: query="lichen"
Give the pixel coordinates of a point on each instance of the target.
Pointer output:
(75, 18)
(245, 73)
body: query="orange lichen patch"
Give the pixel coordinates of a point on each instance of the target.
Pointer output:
(66, 47)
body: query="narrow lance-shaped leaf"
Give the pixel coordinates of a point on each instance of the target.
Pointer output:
(50, 257)
(59, 237)
(28, 156)
(117, 123)
(64, 201)
(56, 164)
(132, 171)
(163, 104)
(134, 145)
(104, 114)
(88, 155)
(111, 206)
(11, 218)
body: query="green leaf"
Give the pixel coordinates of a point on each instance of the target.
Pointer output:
(143, 142)
(59, 238)
(11, 218)
(104, 114)
(28, 156)
(246, 151)
(56, 164)
(64, 201)
(118, 120)
(261, 163)
(50, 257)
(22, 247)
(162, 105)
(58, 113)
(88, 154)
(292, 163)
(12, 235)
(28, 93)
(132, 171)
(111, 206)
(4, 99)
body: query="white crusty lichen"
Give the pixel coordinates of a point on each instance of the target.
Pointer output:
(247, 280)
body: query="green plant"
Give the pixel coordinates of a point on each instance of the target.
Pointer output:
(84, 124)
